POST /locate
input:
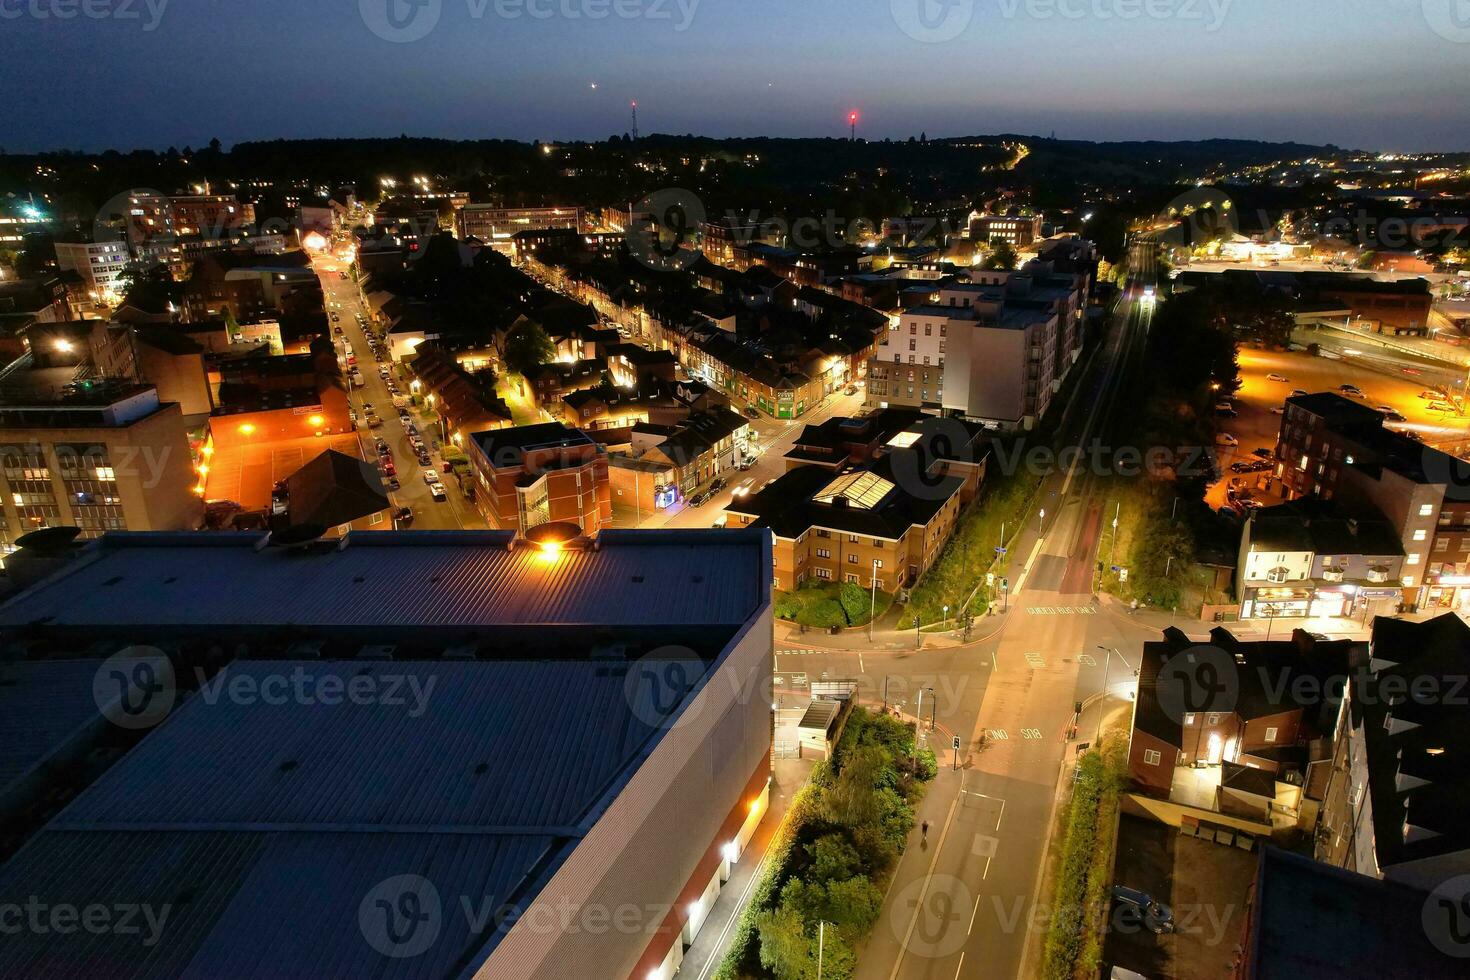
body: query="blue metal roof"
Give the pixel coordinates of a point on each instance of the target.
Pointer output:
(44, 705)
(251, 816)
(469, 579)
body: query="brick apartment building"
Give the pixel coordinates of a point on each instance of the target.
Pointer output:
(536, 474)
(1340, 450)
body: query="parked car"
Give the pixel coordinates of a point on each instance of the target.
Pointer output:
(431, 477)
(1263, 453)
(374, 422)
(388, 468)
(718, 485)
(437, 491)
(751, 413)
(700, 499)
(1226, 439)
(1277, 378)
(1157, 916)
(424, 459)
(393, 484)
(402, 517)
(1351, 391)
(1227, 413)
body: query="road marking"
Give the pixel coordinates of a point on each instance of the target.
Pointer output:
(1036, 660)
(985, 846)
(999, 734)
(962, 957)
(1087, 660)
(1031, 733)
(1062, 611)
(923, 893)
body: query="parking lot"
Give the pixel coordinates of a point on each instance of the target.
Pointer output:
(1269, 377)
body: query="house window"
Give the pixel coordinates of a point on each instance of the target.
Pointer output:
(1278, 574)
(1214, 718)
(1421, 535)
(1189, 719)
(879, 563)
(852, 577)
(1151, 757)
(1412, 560)
(824, 573)
(1426, 510)
(1270, 734)
(852, 539)
(852, 559)
(824, 553)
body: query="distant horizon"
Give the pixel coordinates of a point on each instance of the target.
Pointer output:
(228, 146)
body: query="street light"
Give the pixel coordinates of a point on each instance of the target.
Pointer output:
(1041, 521)
(945, 624)
(873, 601)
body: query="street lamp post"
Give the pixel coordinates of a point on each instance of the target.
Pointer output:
(873, 601)
(1103, 703)
(945, 624)
(1041, 522)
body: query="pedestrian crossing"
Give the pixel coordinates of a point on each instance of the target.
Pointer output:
(1062, 610)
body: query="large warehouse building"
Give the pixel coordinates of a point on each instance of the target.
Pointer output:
(407, 755)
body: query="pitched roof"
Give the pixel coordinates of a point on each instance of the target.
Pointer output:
(335, 489)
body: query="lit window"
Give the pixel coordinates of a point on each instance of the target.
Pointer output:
(1421, 535)
(1270, 734)
(1412, 560)
(1151, 757)
(1426, 511)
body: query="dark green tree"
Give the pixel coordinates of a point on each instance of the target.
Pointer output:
(527, 347)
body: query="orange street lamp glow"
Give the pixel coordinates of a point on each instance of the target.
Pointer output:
(316, 421)
(246, 429)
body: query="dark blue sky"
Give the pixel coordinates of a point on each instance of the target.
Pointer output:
(1364, 73)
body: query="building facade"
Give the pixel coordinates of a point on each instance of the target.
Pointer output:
(531, 475)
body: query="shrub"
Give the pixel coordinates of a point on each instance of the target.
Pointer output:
(856, 602)
(787, 605)
(833, 858)
(824, 614)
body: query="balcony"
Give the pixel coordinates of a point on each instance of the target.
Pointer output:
(1333, 574)
(1378, 576)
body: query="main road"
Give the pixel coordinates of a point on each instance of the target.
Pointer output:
(963, 900)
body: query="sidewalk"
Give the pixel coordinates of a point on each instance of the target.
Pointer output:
(703, 958)
(887, 636)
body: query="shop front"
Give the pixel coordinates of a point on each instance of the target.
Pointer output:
(1447, 593)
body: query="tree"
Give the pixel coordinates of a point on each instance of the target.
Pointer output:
(528, 347)
(1002, 255)
(785, 949)
(833, 858)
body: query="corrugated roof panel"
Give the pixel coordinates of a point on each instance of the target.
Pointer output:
(42, 704)
(434, 744)
(428, 578)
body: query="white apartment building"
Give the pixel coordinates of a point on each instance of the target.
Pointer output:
(98, 263)
(972, 352)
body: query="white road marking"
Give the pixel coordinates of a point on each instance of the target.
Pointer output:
(923, 893)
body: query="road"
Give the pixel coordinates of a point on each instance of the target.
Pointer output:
(342, 297)
(962, 902)
(775, 437)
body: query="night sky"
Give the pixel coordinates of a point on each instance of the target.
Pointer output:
(1373, 74)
